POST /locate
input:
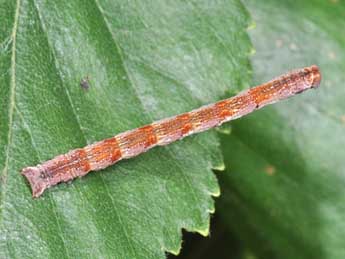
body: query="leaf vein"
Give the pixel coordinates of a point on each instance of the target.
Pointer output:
(11, 107)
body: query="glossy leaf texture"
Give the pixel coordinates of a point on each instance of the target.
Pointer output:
(284, 191)
(145, 60)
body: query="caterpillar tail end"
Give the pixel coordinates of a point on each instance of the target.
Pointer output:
(37, 184)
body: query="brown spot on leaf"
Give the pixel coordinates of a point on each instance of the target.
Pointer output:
(85, 83)
(270, 170)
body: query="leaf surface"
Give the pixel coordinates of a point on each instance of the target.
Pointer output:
(145, 60)
(284, 191)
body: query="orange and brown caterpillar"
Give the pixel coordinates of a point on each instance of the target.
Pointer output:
(99, 155)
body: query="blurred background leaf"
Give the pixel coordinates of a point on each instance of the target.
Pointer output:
(145, 60)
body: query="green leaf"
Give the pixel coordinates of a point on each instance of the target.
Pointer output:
(145, 60)
(284, 192)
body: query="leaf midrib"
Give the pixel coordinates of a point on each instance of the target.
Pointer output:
(11, 106)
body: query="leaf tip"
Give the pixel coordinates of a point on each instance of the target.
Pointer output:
(251, 25)
(252, 51)
(174, 252)
(216, 193)
(220, 167)
(204, 232)
(224, 129)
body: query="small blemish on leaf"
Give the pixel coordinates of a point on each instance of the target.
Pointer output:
(85, 83)
(279, 43)
(293, 47)
(342, 118)
(270, 170)
(331, 55)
